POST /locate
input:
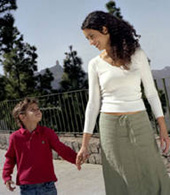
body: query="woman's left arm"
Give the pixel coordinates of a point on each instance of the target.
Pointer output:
(164, 138)
(153, 99)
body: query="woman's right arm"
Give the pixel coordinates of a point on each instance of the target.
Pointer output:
(92, 111)
(83, 153)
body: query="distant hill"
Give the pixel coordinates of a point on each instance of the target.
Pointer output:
(158, 75)
(57, 71)
(163, 73)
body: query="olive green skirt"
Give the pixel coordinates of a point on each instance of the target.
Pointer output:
(132, 163)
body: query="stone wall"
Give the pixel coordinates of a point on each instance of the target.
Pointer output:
(75, 144)
(94, 147)
(4, 141)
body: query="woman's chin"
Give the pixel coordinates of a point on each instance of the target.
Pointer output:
(100, 48)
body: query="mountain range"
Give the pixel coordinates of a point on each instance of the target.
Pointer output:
(159, 75)
(163, 73)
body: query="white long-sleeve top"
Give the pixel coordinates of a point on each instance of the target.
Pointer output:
(115, 89)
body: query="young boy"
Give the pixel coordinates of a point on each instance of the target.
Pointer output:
(30, 148)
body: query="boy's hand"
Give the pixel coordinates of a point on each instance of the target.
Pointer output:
(9, 185)
(81, 157)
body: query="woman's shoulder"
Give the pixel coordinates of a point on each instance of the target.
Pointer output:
(93, 63)
(139, 59)
(139, 53)
(94, 59)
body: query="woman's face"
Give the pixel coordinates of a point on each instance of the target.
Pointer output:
(99, 40)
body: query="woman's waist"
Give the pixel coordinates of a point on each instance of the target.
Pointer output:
(122, 113)
(123, 107)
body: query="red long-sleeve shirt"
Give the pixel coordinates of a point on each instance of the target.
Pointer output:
(32, 153)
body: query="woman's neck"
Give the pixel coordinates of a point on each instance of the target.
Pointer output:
(108, 56)
(109, 52)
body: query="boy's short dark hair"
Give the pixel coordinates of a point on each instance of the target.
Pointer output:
(21, 107)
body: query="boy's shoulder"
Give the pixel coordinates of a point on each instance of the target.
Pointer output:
(15, 133)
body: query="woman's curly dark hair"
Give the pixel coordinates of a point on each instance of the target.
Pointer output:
(123, 37)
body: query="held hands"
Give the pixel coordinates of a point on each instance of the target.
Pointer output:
(10, 185)
(81, 157)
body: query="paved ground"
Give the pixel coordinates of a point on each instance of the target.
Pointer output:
(88, 181)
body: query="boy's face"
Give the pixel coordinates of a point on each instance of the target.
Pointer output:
(32, 114)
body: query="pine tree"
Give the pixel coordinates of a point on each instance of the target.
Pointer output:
(7, 5)
(111, 7)
(18, 59)
(73, 76)
(6, 24)
(2, 86)
(19, 64)
(44, 82)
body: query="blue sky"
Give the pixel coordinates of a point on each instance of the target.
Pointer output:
(54, 25)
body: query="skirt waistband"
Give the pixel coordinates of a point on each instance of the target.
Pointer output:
(126, 120)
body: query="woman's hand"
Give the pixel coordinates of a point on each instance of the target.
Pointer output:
(81, 157)
(165, 141)
(9, 185)
(164, 138)
(83, 153)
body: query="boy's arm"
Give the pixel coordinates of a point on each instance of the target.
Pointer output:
(64, 151)
(9, 162)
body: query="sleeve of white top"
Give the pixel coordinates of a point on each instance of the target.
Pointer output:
(93, 105)
(149, 85)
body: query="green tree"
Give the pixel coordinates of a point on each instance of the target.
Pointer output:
(7, 5)
(44, 82)
(19, 65)
(111, 7)
(74, 76)
(6, 24)
(18, 59)
(2, 86)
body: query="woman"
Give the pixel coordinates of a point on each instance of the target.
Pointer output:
(131, 161)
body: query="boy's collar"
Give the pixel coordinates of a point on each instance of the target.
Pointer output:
(23, 130)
